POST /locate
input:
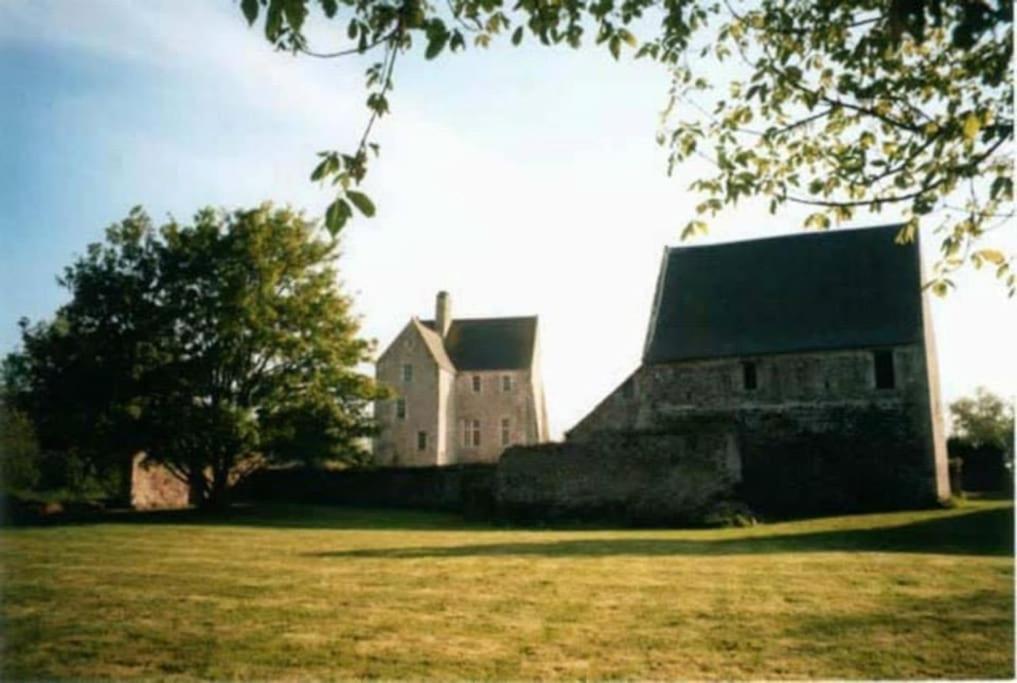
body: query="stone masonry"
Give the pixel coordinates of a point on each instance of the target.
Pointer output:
(464, 390)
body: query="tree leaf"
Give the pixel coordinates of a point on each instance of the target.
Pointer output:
(972, 124)
(436, 44)
(250, 10)
(336, 216)
(362, 202)
(993, 256)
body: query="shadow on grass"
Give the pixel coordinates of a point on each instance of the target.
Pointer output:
(272, 516)
(985, 532)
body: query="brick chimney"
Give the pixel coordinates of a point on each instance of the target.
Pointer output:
(442, 313)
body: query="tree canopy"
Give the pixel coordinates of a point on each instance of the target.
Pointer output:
(840, 105)
(211, 347)
(984, 420)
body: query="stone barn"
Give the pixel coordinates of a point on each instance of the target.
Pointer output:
(814, 353)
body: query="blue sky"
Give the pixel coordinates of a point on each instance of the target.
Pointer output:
(523, 181)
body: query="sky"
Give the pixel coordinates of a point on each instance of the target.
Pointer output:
(524, 181)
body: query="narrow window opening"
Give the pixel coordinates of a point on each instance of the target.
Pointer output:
(476, 433)
(476, 383)
(401, 408)
(883, 363)
(506, 383)
(421, 441)
(407, 373)
(506, 431)
(750, 380)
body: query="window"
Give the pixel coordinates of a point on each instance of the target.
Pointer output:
(749, 379)
(407, 373)
(476, 383)
(883, 364)
(506, 382)
(471, 433)
(401, 408)
(421, 441)
(506, 431)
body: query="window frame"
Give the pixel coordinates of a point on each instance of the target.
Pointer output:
(750, 375)
(507, 385)
(400, 409)
(476, 383)
(884, 370)
(421, 441)
(407, 373)
(506, 431)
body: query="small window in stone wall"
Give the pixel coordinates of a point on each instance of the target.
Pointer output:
(471, 433)
(421, 441)
(476, 383)
(883, 365)
(506, 431)
(401, 408)
(407, 373)
(750, 381)
(506, 383)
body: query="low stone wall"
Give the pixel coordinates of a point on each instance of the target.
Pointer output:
(153, 487)
(643, 479)
(465, 489)
(636, 478)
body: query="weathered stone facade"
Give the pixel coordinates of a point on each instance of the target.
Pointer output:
(647, 478)
(815, 432)
(454, 403)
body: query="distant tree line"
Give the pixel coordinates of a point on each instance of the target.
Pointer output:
(213, 347)
(982, 441)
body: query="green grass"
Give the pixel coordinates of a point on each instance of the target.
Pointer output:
(302, 593)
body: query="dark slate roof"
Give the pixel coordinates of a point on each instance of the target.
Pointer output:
(490, 343)
(835, 290)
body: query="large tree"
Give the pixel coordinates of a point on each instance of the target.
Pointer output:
(841, 105)
(209, 346)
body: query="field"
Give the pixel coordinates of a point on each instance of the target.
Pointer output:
(304, 592)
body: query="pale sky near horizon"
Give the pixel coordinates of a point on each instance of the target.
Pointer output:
(523, 181)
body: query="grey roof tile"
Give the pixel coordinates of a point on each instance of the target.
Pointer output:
(833, 290)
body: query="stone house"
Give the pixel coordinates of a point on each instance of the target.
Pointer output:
(464, 390)
(814, 353)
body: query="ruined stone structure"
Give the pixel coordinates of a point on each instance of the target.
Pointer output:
(814, 352)
(464, 390)
(154, 487)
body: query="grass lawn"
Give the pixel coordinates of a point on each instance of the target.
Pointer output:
(307, 592)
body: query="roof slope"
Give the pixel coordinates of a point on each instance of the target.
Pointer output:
(841, 289)
(433, 342)
(490, 343)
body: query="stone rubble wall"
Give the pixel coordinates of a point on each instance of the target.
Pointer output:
(630, 478)
(154, 487)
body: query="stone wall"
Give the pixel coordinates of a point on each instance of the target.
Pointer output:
(815, 433)
(397, 444)
(154, 487)
(630, 479)
(465, 489)
(489, 407)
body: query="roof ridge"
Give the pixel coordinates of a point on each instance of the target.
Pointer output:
(793, 235)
